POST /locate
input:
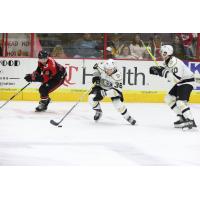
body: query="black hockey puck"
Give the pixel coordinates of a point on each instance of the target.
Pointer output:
(59, 126)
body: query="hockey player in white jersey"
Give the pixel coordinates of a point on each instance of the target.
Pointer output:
(176, 72)
(108, 82)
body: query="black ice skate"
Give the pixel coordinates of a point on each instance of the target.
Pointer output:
(189, 124)
(98, 115)
(180, 122)
(43, 104)
(131, 120)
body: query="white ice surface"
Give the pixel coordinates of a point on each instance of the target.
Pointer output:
(27, 137)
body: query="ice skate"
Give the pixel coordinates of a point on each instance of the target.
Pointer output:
(189, 124)
(97, 115)
(43, 104)
(180, 122)
(131, 120)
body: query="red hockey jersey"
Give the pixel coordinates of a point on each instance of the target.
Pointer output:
(49, 70)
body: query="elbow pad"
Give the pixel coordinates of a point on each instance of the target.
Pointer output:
(96, 79)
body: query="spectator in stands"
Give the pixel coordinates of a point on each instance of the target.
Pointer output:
(187, 39)
(86, 47)
(198, 46)
(178, 47)
(125, 52)
(109, 53)
(157, 45)
(1, 49)
(58, 52)
(136, 48)
(22, 53)
(115, 43)
(151, 47)
(194, 43)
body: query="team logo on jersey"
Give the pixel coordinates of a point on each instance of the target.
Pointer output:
(46, 66)
(106, 83)
(118, 75)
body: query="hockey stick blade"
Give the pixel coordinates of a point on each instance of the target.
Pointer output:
(69, 111)
(54, 123)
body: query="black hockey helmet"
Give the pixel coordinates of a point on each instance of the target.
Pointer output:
(43, 54)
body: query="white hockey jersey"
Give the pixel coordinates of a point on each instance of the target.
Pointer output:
(112, 84)
(177, 72)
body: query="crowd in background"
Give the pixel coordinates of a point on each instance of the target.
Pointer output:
(184, 44)
(94, 45)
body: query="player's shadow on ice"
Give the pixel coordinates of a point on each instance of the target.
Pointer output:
(113, 124)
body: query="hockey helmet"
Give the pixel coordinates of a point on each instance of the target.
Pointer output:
(43, 54)
(109, 66)
(166, 50)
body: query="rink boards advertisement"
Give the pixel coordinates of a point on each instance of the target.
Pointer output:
(138, 84)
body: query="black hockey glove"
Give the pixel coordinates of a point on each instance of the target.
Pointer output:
(156, 70)
(95, 66)
(100, 94)
(38, 78)
(96, 80)
(28, 77)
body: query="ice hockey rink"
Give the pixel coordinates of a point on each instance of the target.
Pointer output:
(28, 139)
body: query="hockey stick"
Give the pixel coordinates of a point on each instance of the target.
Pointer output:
(15, 95)
(153, 58)
(69, 111)
(196, 76)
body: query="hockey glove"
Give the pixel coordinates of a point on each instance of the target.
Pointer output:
(28, 77)
(96, 80)
(156, 70)
(100, 94)
(37, 78)
(95, 66)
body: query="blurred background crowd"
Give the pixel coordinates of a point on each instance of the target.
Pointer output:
(99, 45)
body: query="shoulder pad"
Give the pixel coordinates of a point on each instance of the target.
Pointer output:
(117, 76)
(172, 62)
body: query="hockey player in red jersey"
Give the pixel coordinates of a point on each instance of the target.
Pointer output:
(50, 74)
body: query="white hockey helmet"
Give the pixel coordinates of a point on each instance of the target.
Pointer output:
(109, 66)
(166, 50)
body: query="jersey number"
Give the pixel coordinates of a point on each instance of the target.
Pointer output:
(118, 85)
(175, 70)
